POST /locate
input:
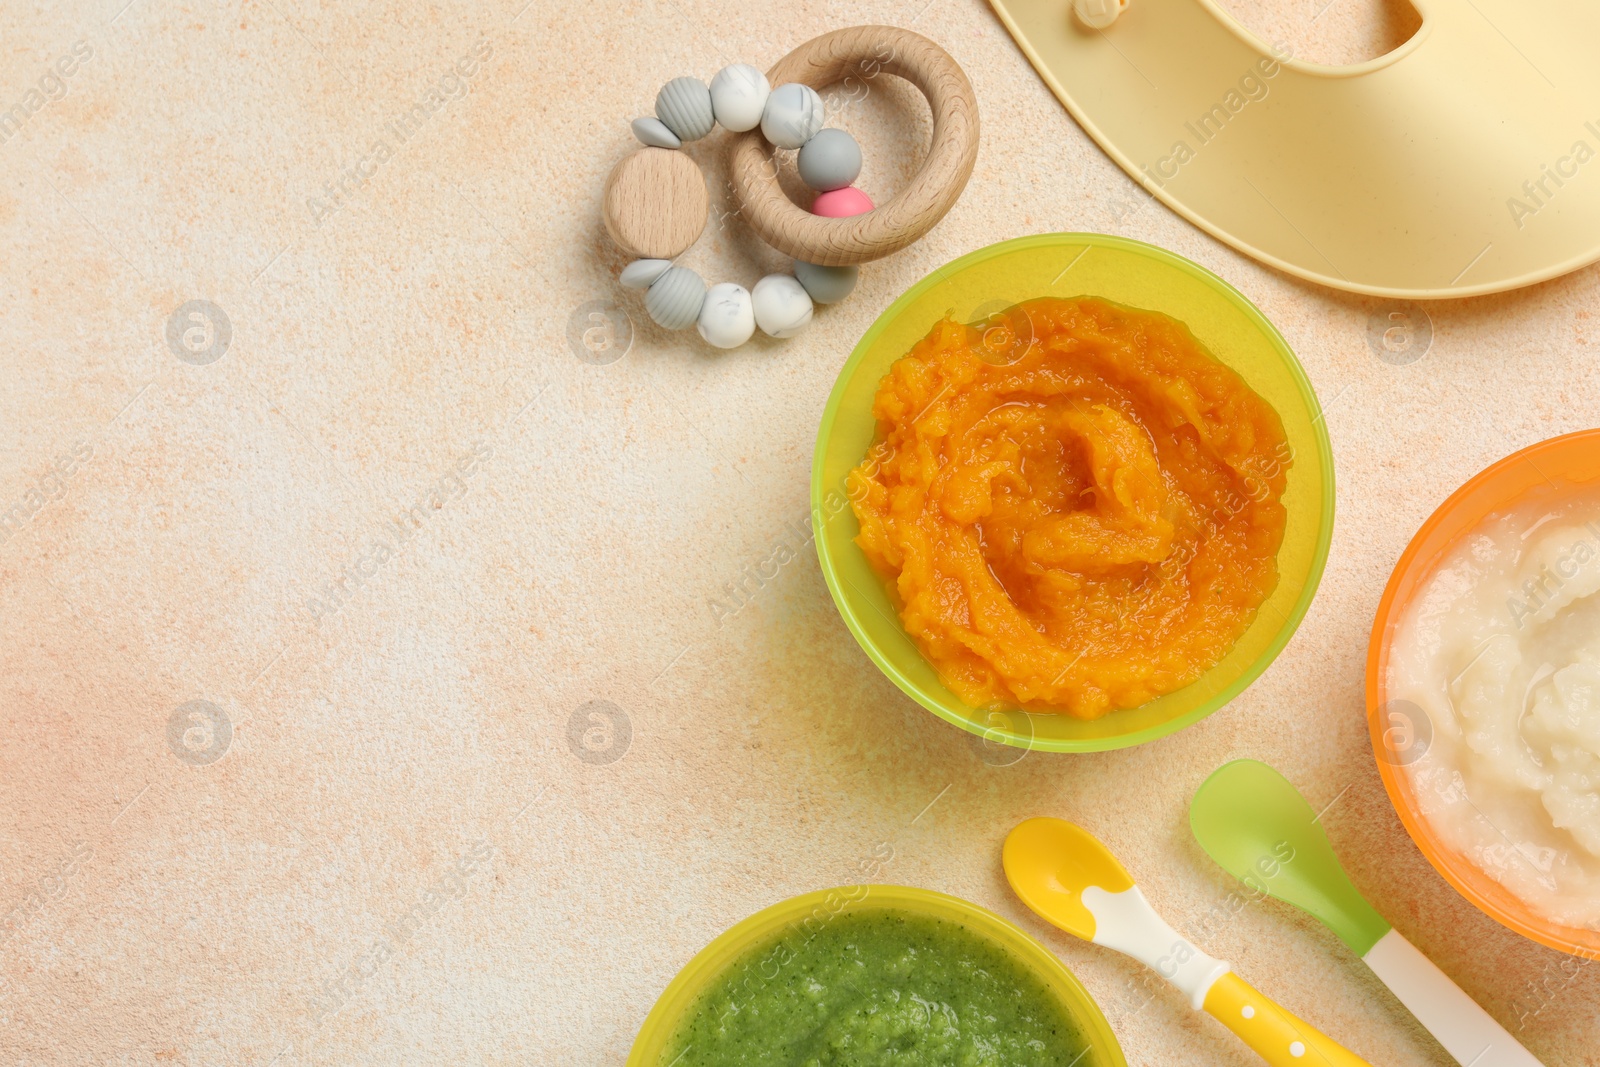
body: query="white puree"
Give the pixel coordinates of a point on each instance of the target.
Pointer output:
(1501, 649)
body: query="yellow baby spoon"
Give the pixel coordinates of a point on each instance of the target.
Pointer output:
(1071, 880)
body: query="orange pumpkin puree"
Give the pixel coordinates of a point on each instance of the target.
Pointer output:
(1077, 504)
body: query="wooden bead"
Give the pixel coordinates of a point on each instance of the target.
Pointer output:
(656, 203)
(862, 52)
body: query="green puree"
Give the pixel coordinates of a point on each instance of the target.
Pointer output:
(875, 988)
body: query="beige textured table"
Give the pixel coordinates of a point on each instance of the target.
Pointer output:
(439, 491)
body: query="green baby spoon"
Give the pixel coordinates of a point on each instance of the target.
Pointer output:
(1257, 826)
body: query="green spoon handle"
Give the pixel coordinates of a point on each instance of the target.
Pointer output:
(1464, 1029)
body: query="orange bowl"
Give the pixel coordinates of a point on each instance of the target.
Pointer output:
(1557, 465)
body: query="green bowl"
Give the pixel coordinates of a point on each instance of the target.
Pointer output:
(742, 940)
(1136, 275)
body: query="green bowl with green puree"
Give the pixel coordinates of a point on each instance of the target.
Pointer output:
(873, 976)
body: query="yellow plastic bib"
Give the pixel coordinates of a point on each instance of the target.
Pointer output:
(1466, 161)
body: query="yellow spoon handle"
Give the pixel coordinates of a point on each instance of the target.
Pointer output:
(1277, 1035)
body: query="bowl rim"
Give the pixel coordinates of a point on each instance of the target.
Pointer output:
(1508, 910)
(1292, 618)
(733, 943)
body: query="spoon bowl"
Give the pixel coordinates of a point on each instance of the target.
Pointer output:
(1050, 862)
(1257, 826)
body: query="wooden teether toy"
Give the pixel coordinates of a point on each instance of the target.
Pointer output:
(655, 204)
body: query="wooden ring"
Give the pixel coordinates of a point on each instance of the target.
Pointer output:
(916, 209)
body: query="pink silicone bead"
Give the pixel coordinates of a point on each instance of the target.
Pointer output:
(841, 203)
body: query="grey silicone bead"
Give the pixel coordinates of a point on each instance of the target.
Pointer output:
(654, 133)
(827, 285)
(684, 104)
(830, 160)
(793, 115)
(674, 299)
(642, 273)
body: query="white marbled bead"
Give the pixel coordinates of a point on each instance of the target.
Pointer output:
(674, 298)
(642, 273)
(830, 160)
(684, 104)
(738, 95)
(782, 306)
(793, 115)
(827, 285)
(654, 133)
(727, 318)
